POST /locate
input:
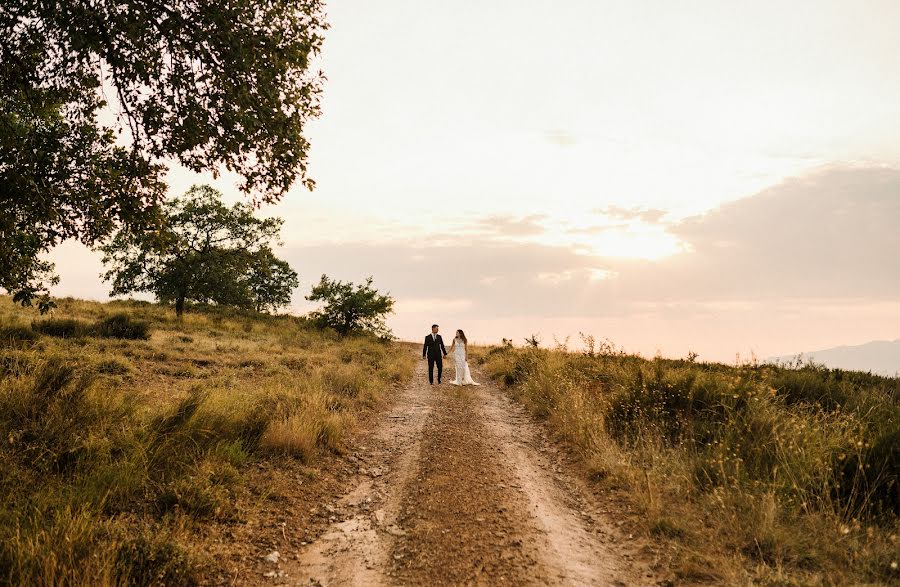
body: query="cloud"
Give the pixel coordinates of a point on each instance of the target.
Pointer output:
(555, 278)
(599, 229)
(648, 215)
(501, 278)
(830, 235)
(833, 233)
(510, 226)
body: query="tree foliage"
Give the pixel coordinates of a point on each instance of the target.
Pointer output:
(218, 85)
(205, 252)
(350, 308)
(270, 281)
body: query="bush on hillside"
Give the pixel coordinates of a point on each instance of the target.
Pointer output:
(812, 385)
(61, 327)
(116, 326)
(122, 326)
(869, 480)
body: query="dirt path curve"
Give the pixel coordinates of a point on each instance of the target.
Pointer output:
(460, 486)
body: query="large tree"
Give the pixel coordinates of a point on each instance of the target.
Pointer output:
(227, 84)
(204, 252)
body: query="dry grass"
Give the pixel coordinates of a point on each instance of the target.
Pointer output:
(751, 474)
(114, 449)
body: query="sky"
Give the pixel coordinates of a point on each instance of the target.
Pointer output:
(715, 177)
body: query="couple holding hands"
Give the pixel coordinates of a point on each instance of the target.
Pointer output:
(435, 352)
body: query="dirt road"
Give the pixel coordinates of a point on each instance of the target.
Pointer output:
(460, 486)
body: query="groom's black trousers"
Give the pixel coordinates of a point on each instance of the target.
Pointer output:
(440, 365)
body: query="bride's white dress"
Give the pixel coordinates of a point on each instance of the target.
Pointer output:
(463, 375)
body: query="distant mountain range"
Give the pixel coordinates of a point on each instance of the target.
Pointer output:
(878, 356)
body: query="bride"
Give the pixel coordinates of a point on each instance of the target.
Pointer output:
(460, 356)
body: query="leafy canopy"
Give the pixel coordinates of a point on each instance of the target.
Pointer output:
(205, 252)
(217, 85)
(350, 308)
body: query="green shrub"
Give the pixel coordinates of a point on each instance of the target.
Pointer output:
(868, 480)
(349, 308)
(61, 327)
(122, 326)
(811, 385)
(116, 326)
(680, 404)
(525, 363)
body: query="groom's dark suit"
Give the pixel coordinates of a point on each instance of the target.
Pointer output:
(435, 351)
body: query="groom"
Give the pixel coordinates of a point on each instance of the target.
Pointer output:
(435, 351)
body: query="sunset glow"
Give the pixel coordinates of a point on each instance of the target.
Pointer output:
(646, 170)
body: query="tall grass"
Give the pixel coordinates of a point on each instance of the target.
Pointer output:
(754, 473)
(113, 447)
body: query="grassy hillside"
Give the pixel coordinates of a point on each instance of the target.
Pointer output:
(748, 474)
(116, 449)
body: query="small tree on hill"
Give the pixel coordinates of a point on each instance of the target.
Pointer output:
(270, 281)
(351, 308)
(205, 252)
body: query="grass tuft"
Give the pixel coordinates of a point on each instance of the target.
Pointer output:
(149, 559)
(17, 337)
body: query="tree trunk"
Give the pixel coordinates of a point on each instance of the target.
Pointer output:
(179, 306)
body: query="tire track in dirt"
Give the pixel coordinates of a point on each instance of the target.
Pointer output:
(458, 486)
(355, 548)
(578, 543)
